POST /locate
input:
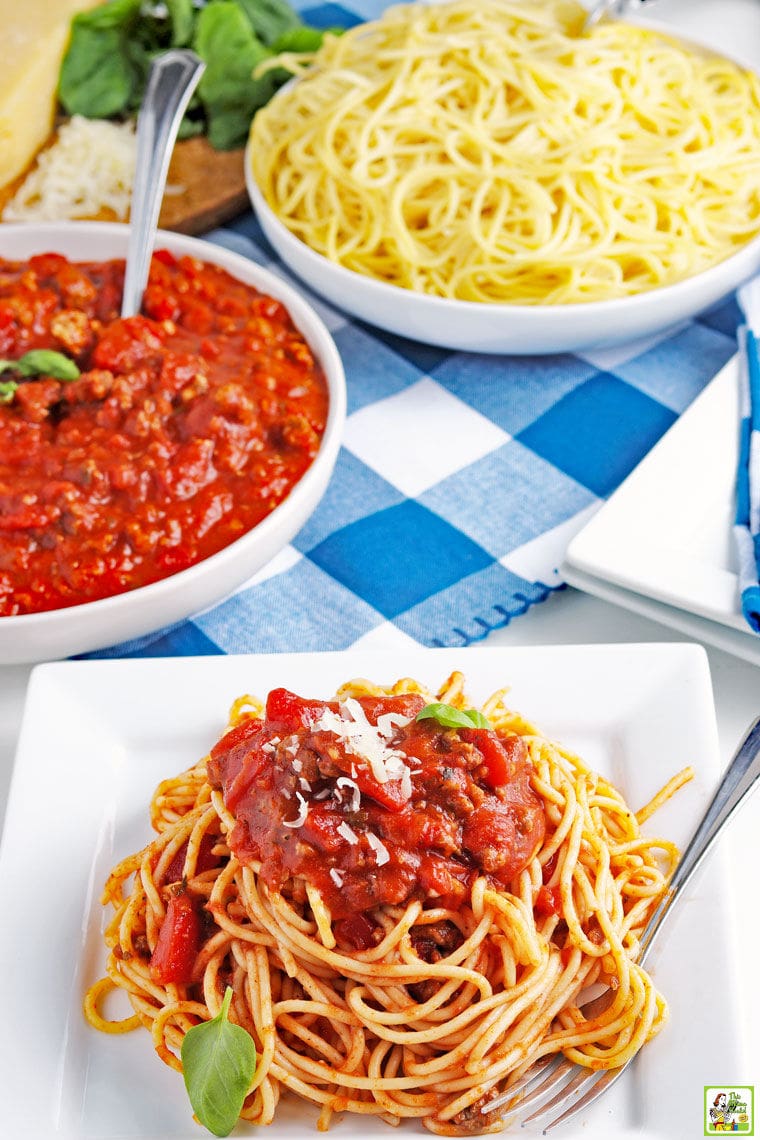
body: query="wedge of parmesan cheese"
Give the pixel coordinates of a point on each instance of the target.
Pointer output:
(35, 34)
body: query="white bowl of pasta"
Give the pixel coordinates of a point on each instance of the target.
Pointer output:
(579, 192)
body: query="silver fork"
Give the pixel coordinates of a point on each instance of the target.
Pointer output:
(604, 8)
(574, 1087)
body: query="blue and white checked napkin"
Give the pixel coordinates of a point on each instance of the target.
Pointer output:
(460, 482)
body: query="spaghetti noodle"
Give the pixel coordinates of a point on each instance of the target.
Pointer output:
(408, 914)
(485, 151)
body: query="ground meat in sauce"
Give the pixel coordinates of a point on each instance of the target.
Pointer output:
(467, 809)
(187, 426)
(473, 1119)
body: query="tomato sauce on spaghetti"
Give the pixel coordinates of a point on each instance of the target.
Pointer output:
(187, 425)
(372, 807)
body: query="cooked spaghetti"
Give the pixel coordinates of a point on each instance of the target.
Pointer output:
(483, 150)
(408, 915)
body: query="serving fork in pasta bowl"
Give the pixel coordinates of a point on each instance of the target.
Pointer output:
(603, 8)
(555, 1089)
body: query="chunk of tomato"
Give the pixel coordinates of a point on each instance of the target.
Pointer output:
(548, 901)
(205, 861)
(173, 959)
(294, 712)
(357, 931)
(501, 757)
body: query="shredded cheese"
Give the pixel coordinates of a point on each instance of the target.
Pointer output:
(367, 741)
(347, 832)
(356, 796)
(336, 877)
(87, 170)
(377, 845)
(300, 819)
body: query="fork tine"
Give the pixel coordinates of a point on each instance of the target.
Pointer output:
(569, 1089)
(557, 1077)
(537, 1070)
(596, 1089)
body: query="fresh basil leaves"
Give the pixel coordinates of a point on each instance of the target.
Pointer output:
(112, 46)
(36, 362)
(45, 362)
(449, 717)
(218, 1061)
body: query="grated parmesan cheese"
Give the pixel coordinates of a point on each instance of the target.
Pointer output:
(300, 819)
(389, 722)
(88, 169)
(356, 796)
(366, 741)
(347, 832)
(336, 877)
(377, 845)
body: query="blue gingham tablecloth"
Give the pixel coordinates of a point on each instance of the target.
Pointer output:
(460, 481)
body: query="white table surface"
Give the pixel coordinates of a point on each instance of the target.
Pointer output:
(570, 618)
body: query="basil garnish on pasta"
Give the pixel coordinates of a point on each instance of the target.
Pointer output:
(450, 717)
(218, 1062)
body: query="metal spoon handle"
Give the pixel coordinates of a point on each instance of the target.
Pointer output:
(739, 779)
(172, 79)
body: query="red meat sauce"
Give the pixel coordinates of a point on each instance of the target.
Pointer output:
(187, 426)
(310, 809)
(465, 808)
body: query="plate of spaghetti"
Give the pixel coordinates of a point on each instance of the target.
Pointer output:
(386, 898)
(481, 176)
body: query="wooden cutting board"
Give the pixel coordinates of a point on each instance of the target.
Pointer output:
(205, 188)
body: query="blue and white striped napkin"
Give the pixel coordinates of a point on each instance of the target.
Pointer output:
(747, 521)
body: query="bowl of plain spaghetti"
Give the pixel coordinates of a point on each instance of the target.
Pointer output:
(484, 177)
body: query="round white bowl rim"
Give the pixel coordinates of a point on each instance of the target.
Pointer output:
(332, 367)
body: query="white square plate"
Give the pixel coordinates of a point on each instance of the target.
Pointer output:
(98, 736)
(665, 536)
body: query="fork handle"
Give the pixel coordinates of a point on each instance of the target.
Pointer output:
(738, 780)
(609, 8)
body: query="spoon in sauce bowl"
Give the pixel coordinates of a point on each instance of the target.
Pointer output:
(173, 77)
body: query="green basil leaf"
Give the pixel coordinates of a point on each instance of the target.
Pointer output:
(225, 40)
(97, 76)
(301, 39)
(182, 16)
(218, 1061)
(47, 362)
(7, 391)
(449, 717)
(269, 18)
